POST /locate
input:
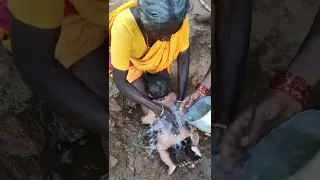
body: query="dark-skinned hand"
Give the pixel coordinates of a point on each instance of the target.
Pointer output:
(255, 122)
(169, 116)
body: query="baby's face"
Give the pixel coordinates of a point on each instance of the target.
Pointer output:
(169, 101)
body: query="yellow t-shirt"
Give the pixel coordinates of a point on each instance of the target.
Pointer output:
(46, 14)
(127, 40)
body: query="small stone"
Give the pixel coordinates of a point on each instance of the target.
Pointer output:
(118, 143)
(209, 46)
(113, 161)
(112, 123)
(130, 103)
(131, 161)
(130, 111)
(119, 123)
(114, 106)
(126, 119)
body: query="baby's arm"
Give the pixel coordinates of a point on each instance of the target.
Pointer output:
(149, 117)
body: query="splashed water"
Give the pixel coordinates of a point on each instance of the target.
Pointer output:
(165, 126)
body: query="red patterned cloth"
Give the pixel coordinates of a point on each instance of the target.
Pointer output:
(4, 15)
(68, 8)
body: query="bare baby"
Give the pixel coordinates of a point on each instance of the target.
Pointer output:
(158, 88)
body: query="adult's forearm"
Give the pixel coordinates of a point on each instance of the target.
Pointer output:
(33, 52)
(131, 92)
(207, 79)
(134, 94)
(233, 28)
(183, 72)
(306, 63)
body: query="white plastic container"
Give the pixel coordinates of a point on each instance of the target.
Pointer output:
(199, 114)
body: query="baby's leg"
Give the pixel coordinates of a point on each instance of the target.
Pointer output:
(164, 155)
(196, 139)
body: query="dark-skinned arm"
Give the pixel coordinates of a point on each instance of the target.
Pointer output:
(183, 72)
(207, 79)
(233, 28)
(33, 53)
(306, 63)
(130, 91)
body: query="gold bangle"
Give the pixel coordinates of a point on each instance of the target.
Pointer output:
(162, 111)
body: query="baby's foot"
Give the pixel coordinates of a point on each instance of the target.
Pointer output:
(196, 150)
(171, 169)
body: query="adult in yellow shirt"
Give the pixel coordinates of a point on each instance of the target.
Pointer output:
(147, 38)
(60, 48)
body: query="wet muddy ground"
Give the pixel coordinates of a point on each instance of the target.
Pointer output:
(38, 143)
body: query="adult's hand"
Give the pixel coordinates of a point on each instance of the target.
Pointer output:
(169, 101)
(255, 122)
(168, 116)
(190, 100)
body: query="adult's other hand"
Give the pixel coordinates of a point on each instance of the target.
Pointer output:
(191, 99)
(255, 122)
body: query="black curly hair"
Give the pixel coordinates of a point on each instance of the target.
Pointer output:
(158, 86)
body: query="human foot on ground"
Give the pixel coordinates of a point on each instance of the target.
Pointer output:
(171, 169)
(196, 150)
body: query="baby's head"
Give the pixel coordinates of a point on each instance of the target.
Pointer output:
(159, 89)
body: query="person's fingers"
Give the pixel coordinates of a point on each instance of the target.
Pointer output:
(184, 103)
(162, 103)
(241, 123)
(254, 131)
(230, 144)
(227, 150)
(192, 99)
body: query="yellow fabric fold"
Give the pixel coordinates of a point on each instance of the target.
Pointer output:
(81, 34)
(78, 38)
(160, 56)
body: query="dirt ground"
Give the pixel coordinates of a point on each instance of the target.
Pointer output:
(38, 143)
